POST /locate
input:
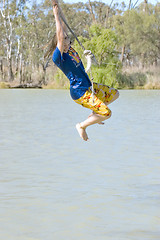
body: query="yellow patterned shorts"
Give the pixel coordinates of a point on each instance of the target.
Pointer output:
(103, 95)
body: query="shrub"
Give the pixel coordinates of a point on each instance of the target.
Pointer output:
(61, 80)
(4, 85)
(133, 80)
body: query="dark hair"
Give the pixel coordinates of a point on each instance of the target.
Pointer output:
(50, 46)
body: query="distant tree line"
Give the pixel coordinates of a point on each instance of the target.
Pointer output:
(118, 35)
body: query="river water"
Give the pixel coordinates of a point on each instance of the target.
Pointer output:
(55, 186)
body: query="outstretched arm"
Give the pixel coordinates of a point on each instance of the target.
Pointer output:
(60, 26)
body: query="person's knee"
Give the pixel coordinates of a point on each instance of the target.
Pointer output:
(108, 114)
(117, 94)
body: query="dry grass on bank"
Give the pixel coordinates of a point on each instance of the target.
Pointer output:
(4, 85)
(56, 79)
(130, 78)
(148, 78)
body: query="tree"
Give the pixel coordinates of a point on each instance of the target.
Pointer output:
(118, 32)
(103, 44)
(139, 33)
(8, 33)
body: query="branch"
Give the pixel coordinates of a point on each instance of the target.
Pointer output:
(91, 11)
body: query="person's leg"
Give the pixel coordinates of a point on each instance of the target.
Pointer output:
(100, 112)
(115, 96)
(93, 119)
(108, 99)
(100, 123)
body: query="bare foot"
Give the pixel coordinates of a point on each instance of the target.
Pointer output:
(82, 132)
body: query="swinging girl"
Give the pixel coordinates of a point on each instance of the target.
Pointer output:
(68, 60)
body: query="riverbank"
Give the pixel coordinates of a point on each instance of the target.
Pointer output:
(6, 85)
(148, 86)
(129, 78)
(144, 78)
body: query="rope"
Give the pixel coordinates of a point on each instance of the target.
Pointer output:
(73, 33)
(88, 54)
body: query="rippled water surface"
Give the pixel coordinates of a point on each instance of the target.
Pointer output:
(55, 186)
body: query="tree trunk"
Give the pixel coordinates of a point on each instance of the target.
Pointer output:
(8, 35)
(107, 16)
(10, 72)
(107, 13)
(44, 75)
(122, 54)
(145, 5)
(155, 63)
(17, 58)
(91, 11)
(142, 63)
(100, 14)
(1, 69)
(20, 70)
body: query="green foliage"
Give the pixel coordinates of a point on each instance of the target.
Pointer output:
(61, 80)
(139, 33)
(136, 31)
(133, 80)
(103, 44)
(105, 75)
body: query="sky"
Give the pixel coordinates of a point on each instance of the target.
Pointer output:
(109, 1)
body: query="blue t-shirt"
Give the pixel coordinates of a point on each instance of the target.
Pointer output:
(72, 66)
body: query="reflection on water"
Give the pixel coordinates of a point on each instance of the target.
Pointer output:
(55, 186)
